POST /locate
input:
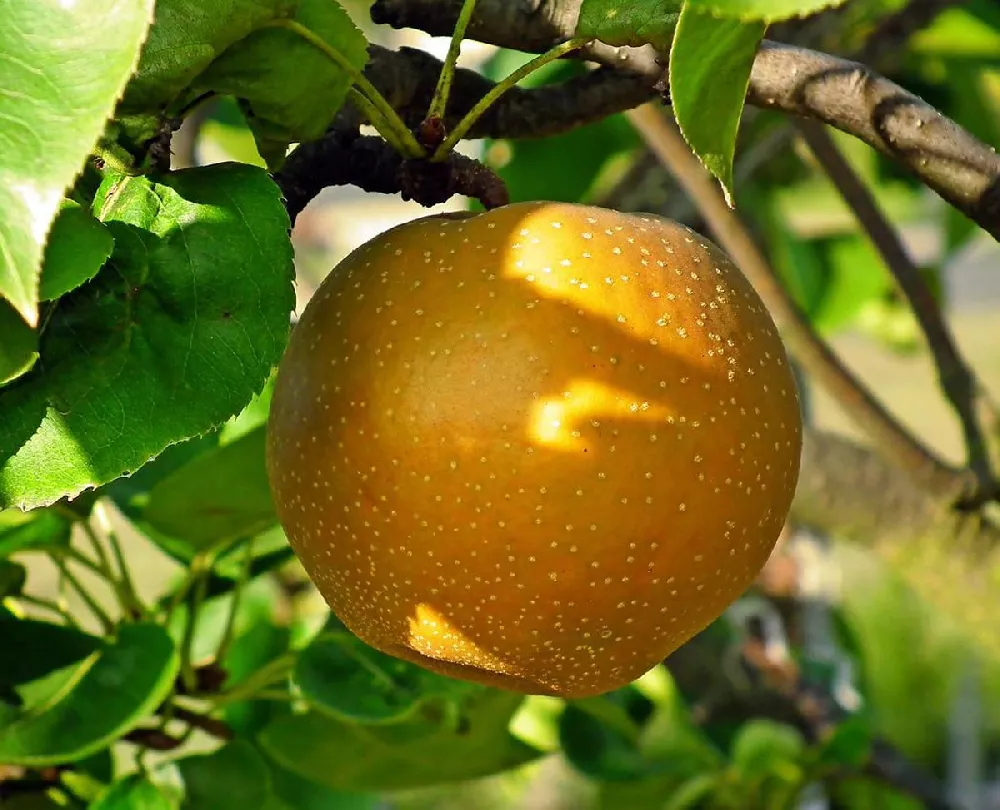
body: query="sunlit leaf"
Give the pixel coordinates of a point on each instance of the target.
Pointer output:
(62, 73)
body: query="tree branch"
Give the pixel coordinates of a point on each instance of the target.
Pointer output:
(845, 94)
(345, 158)
(961, 387)
(904, 449)
(407, 78)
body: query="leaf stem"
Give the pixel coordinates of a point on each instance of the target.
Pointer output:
(499, 89)
(439, 101)
(396, 132)
(68, 576)
(200, 567)
(230, 628)
(273, 671)
(50, 605)
(129, 594)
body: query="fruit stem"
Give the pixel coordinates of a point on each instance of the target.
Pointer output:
(395, 131)
(439, 102)
(499, 89)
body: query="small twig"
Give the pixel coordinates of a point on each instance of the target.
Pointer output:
(898, 444)
(210, 725)
(153, 739)
(962, 389)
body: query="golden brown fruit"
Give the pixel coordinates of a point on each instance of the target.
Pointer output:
(539, 447)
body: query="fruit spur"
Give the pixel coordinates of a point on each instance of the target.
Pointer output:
(538, 447)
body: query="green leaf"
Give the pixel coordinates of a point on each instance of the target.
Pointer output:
(62, 73)
(300, 794)
(262, 642)
(764, 10)
(218, 497)
(232, 776)
(257, 603)
(692, 792)
(629, 22)
(38, 530)
(968, 33)
(343, 677)
(43, 648)
(597, 742)
(77, 248)
(762, 744)
(185, 39)
(134, 792)
(346, 756)
(180, 329)
(848, 746)
(289, 88)
(19, 347)
(115, 689)
(710, 63)
(12, 578)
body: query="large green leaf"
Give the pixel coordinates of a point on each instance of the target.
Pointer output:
(296, 793)
(134, 792)
(64, 66)
(762, 745)
(599, 739)
(176, 334)
(19, 347)
(186, 37)
(78, 245)
(114, 690)
(763, 10)
(290, 89)
(217, 497)
(629, 22)
(233, 776)
(346, 756)
(12, 578)
(710, 64)
(343, 677)
(42, 648)
(32, 531)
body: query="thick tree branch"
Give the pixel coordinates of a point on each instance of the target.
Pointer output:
(904, 449)
(345, 158)
(852, 98)
(963, 390)
(847, 95)
(407, 78)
